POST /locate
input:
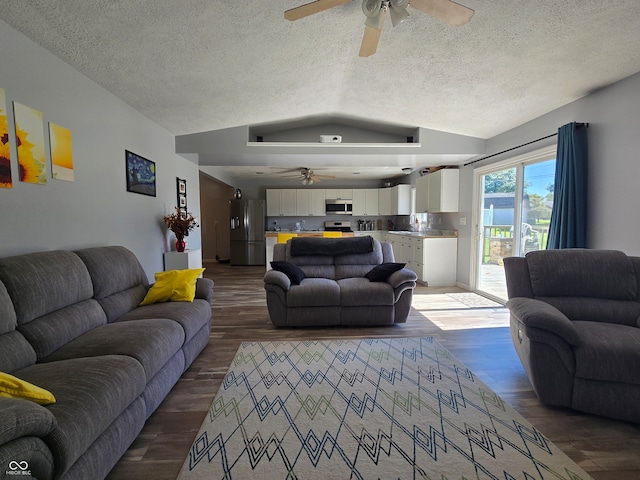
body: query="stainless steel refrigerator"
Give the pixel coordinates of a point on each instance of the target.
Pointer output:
(247, 232)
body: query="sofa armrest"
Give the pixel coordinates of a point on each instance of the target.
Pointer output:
(539, 314)
(22, 418)
(204, 289)
(403, 275)
(275, 277)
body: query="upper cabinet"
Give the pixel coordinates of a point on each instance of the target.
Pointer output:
(338, 194)
(310, 202)
(365, 202)
(281, 202)
(395, 200)
(437, 192)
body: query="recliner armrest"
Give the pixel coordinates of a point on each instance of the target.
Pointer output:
(539, 314)
(23, 418)
(401, 276)
(277, 278)
(204, 289)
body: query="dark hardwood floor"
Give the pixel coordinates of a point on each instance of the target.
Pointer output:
(607, 449)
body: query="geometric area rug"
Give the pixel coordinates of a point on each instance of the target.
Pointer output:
(396, 408)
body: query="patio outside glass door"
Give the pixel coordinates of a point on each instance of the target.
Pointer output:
(514, 217)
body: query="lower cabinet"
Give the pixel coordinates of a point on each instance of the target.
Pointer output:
(434, 259)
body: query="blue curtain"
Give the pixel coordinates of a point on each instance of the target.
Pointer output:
(568, 228)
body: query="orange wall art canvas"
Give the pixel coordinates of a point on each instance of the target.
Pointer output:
(61, 153)
(30, 143)
(5, 146)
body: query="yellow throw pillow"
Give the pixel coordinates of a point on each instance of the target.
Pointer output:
(173, 286)
(14, 387)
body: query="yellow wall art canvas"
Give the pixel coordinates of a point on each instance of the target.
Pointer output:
(30, 143)
(5, 146)
(61, 153)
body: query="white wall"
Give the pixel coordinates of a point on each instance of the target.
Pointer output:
(613, 114)
(96, 209)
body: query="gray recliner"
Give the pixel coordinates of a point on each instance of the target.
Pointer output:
(574, 323)
(336, 291)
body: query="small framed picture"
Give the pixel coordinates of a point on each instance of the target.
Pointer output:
(182, 201)
(182, 186)
(141, 174)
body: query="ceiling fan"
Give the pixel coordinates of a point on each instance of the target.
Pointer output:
(307, 176)
(376, 10)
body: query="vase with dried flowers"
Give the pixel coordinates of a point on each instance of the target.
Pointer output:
(180, 223)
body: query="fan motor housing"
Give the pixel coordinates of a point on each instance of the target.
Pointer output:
(330, 138)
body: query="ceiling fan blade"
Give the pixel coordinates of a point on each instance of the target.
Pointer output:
(371, 38)
(323, 176)
(445, 10)
(311, 8)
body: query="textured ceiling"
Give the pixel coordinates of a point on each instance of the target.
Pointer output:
(201, 65)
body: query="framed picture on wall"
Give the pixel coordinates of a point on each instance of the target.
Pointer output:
(181, 188)
(141, 174)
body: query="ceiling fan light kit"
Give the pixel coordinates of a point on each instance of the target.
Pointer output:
(376, 10)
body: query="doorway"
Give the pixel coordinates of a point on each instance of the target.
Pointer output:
(513, 211)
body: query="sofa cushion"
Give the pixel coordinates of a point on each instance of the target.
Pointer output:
(314, 292)
(608, 352)
(291, 270)
(44, 282)
(359, 291)
(91, 393)
(191, 316)
(14, 387)
(15, 351)
(8, 321)
(582, 273)
(52, 331)
(119, 281)
(150, 342)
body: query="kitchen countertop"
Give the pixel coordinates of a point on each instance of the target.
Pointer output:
(427, 234)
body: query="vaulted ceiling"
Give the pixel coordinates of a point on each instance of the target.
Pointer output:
(205, 65)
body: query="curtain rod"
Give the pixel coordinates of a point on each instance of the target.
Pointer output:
(520, 146)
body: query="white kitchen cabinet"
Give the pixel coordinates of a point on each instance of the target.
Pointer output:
(439, 262)
(438, 192)
(365, 202)
(310, 202)
(401, 200)
(281, 202)
(338, 194)
(384, 201)
(394, 200)
(433, 259)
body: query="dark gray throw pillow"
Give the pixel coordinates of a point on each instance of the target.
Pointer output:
(381, 272)
(291, 270)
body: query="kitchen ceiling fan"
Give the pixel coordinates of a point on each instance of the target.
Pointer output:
(307, 176)
(376, 10)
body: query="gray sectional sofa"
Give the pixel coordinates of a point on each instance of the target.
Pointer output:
(335, 290)
(574, 317)
(70, 323)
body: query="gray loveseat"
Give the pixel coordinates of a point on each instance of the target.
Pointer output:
(335, 290)
(574, 323)
(70, 323)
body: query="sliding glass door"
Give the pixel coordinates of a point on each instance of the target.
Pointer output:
(513, 214)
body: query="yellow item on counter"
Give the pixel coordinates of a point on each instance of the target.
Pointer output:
(283, 237)
(332, 234)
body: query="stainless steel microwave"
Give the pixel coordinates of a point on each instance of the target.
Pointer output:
(338, 207)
